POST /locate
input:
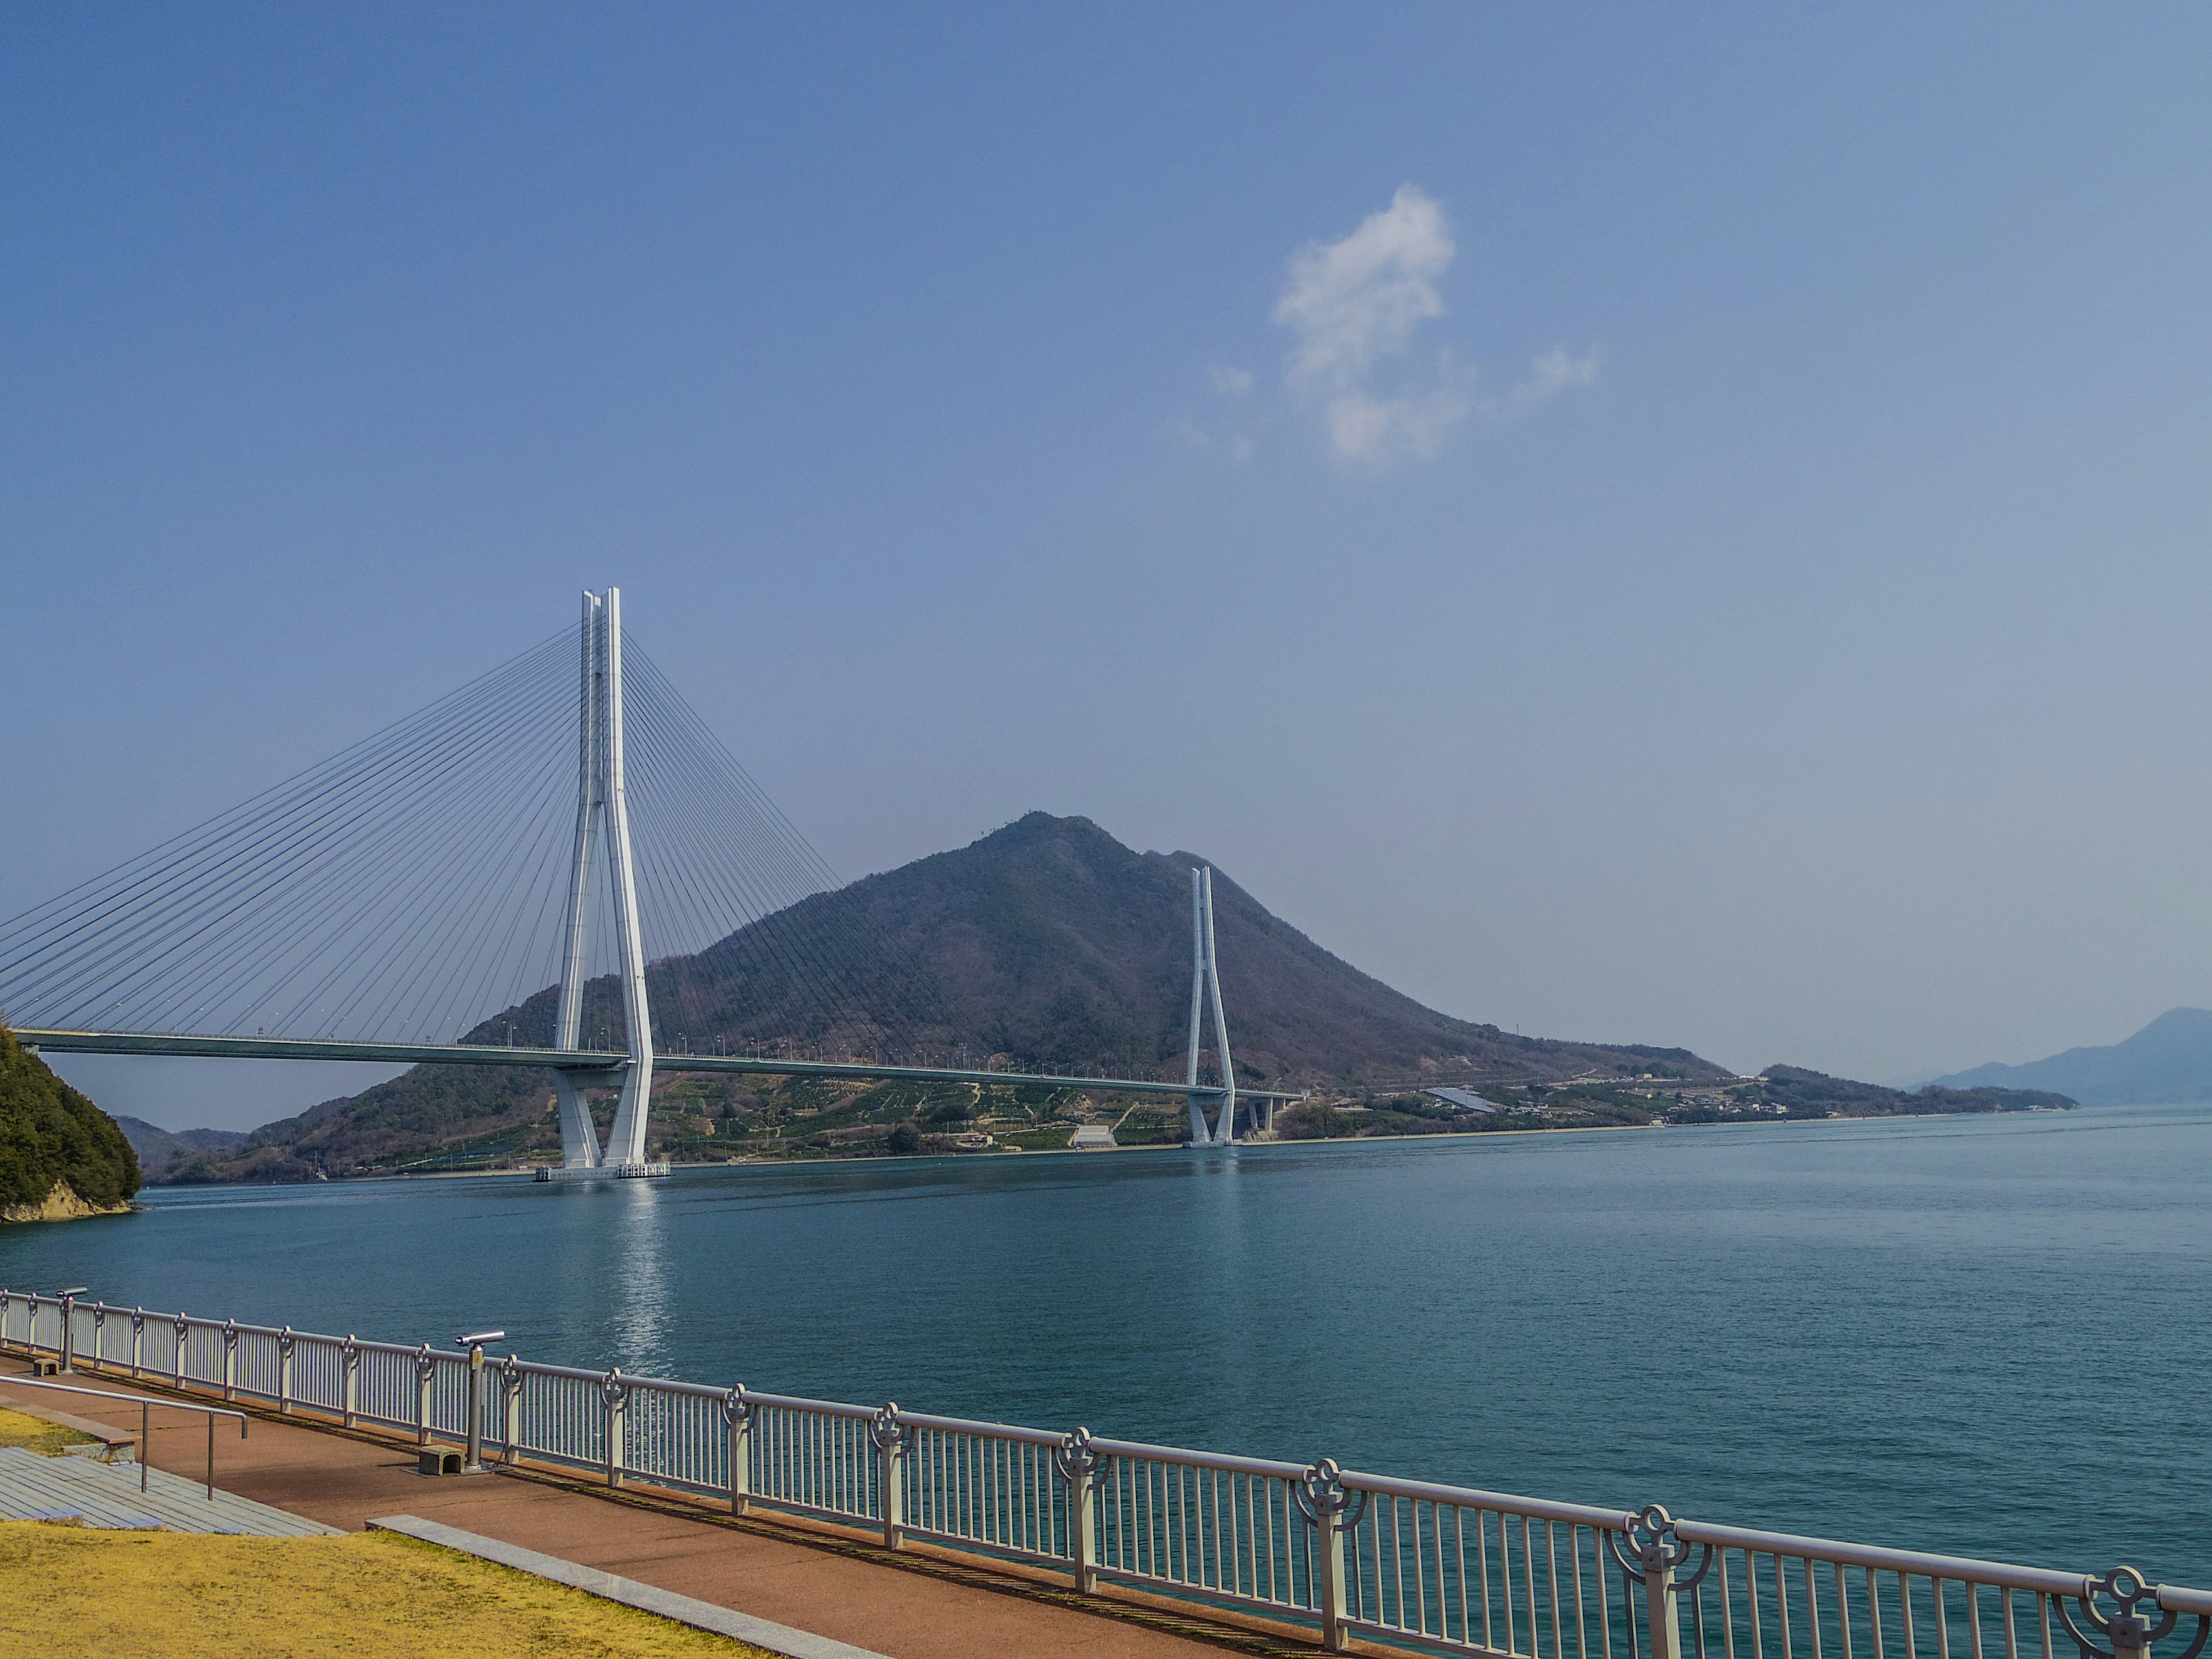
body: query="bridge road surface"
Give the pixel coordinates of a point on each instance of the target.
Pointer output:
(344, 1482)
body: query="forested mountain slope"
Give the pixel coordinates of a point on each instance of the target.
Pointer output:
(60, 1155)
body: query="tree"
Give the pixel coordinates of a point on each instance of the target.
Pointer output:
(50, 1134)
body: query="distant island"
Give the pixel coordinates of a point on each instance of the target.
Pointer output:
(1781, 1093)
(2169, 1060)
(1046, 946)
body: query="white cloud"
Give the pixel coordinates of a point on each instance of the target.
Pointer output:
(1549, 375)
(1349, 303)
(1354, 305)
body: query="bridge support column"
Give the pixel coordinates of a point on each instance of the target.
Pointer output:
(1204, 977)
(1198, 1133)
(626, 1141)
(603, 818)
(579, 1140)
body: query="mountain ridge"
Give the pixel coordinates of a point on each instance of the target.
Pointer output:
(2168, 1060)
(158, 1148)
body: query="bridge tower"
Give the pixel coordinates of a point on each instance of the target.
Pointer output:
(603, 828)
(1204, 977)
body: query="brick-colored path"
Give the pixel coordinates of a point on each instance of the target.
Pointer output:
(343, 1481)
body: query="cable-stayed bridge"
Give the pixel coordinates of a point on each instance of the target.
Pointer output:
(500, 879)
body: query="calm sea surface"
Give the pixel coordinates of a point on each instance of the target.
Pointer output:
(1986, 1336)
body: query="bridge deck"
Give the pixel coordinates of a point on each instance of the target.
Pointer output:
(590, 1059)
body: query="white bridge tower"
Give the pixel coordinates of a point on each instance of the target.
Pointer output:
(1204, 977)
(603, 828)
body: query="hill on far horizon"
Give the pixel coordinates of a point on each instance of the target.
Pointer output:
(2170, 1059)
(158, 1148)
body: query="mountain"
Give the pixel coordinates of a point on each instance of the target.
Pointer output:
(60, 1155)
(158, 1148)
(2169, 1060)
(1047, 944)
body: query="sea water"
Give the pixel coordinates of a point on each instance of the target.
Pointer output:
(1985, 1335)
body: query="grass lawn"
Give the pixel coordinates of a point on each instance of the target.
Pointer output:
(46, 1439)
(74, 1591)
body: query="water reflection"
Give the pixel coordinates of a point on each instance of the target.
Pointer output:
(638, 1272)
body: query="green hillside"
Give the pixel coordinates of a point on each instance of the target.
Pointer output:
(51, 1136)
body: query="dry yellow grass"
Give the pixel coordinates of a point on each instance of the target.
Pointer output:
(46, 1439)
(72, 1592)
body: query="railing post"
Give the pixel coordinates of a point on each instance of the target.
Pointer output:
(613, 1395)
(7, 1303)
(184, 1330)
(1659, 1608)
(891, 1473)
(99, 1334)
(350, 1384)
(473, 1463)
(68, 1335)
(510, 1383)
(424, 1367)
(1321, 1495)
(1658, 1551)
(284, 1371)
(738, 1415)
(137, 1339)
(1078, 1462)
(229, 1360)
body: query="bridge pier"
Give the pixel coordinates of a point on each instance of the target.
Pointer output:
(603, 818)
(1204, 977)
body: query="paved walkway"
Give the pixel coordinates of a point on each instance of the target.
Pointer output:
(344, 1482)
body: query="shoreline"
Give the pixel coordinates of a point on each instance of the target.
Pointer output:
(530, 1172)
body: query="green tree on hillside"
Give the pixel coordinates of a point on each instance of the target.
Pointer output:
(49, 1133)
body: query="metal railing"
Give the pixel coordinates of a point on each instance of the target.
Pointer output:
(1422, 1567)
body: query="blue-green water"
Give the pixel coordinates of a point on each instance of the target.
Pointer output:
(1986, 1335)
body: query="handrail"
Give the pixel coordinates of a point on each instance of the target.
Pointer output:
(145, 1403)
(2004, 1575)
(1227, 1462)
(971, 1425)
(1472, 1497)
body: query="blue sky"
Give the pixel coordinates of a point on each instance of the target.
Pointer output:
(1676, 524)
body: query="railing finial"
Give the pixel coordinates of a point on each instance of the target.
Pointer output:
(1659, 1548)
(2129, 1632)
(1075, 1456)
